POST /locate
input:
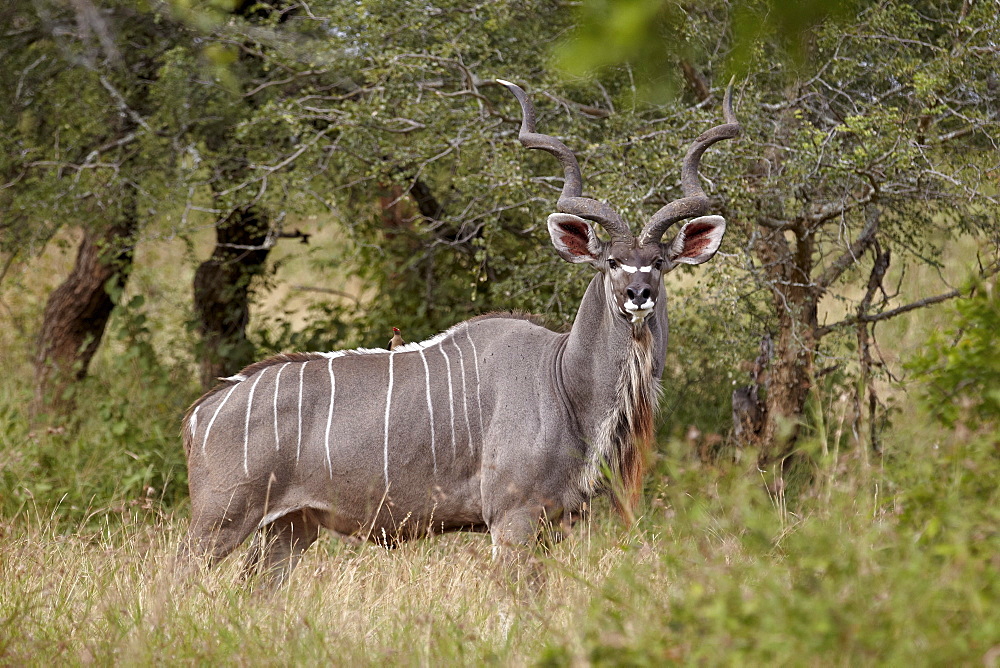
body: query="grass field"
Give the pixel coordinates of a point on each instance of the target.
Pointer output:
(894, 564)
(887, 559)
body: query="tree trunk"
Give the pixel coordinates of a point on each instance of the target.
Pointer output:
(222, 293)
(77, 311)
(795, 301)
(790, 383)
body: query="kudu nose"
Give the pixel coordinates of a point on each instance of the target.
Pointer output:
(642, 292)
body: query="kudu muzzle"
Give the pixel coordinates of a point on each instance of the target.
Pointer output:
(640, 296)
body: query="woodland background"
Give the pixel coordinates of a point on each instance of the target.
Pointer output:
(186, 187)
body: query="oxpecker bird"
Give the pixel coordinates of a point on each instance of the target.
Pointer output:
(396, 340)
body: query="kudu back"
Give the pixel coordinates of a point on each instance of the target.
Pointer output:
(496, 425)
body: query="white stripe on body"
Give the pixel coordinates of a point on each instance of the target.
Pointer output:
(465, 392)
(479, 397)
(277, 382)
(246, 423)
(430, 408)
(194, 421)
(329, 416)
(451, 401)
(298, 447)
(215, 415)
(388, 403)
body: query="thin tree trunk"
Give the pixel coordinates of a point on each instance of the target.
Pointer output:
(791, 376)
(222, 293)
(790, 383)
(879, 267)
(77, 311)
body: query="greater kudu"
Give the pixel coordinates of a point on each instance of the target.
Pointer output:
(495, 425)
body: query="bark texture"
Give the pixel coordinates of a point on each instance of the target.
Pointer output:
(222, 290)
(77, 312)
(789, 269)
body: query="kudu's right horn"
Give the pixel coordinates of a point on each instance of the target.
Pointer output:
(571, 200)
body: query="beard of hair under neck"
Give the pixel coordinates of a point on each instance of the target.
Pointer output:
(625, 437)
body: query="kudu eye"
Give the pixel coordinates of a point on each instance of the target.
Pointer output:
(658, 265)
(612, 263)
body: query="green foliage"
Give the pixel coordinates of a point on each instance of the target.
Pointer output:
(328, 327)
(716, 321)
(645, 34)
(662, 42)
(892, 577)
(120, 450)
(791, 26)
(960, 364)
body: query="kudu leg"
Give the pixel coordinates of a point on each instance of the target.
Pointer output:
(515, 539)
(211, 543)
(277, 548)
(218, 528)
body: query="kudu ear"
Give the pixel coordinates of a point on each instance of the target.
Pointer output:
(574, 238)
(698, 240)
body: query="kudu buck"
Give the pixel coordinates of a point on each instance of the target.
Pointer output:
(495, 425)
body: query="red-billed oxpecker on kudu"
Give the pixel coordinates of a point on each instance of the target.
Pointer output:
(397, 339)
(496, 424)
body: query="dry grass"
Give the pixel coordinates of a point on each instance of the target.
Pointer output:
(890, 562)
(112, 595)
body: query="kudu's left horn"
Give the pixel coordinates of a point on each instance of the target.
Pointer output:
(695, 201)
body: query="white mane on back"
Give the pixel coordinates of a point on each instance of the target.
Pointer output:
(406, 348)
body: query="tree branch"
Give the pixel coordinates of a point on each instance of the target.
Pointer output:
(297, 234)
(832, 210)
(695, 81)
(123, 105)
(270, 169)
(854, 251)
(777, 224)
(329, 291)
(906, 308)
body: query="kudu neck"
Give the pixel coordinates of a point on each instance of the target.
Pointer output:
(597, 349)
